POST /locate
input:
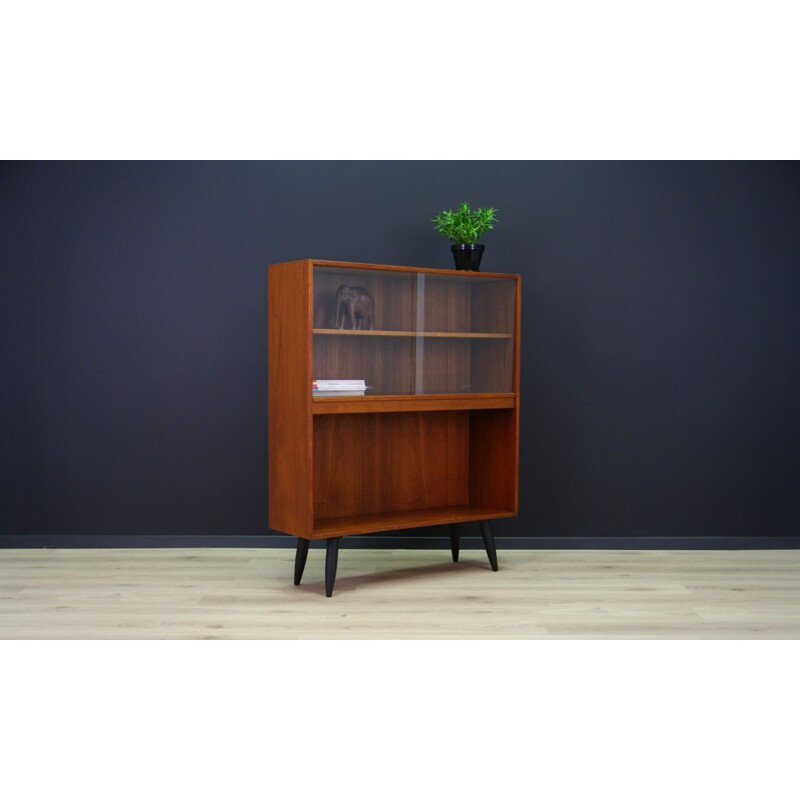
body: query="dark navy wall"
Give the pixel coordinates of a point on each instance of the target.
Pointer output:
(661, 338)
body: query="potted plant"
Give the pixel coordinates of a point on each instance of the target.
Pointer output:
(465, 227)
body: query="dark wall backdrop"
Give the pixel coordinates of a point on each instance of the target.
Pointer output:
(661, 340)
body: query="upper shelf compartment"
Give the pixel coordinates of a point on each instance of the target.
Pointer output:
(414, 332)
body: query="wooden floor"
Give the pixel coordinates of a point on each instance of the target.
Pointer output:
(399, 594)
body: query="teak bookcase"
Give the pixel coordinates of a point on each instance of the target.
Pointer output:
(434, 440)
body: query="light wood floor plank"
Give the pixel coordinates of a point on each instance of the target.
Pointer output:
(399, 594)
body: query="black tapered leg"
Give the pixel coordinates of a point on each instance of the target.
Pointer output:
(488, 541)
(455, 539)
(300, 559)
(331, 559)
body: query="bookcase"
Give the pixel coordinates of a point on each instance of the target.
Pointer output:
(434, 438)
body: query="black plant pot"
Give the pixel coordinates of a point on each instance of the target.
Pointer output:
(468, 256)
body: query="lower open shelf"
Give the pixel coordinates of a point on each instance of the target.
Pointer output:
(371, 523)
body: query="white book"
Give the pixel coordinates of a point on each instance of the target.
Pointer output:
(332, 385)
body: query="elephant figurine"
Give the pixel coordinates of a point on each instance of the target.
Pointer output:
(355, 303)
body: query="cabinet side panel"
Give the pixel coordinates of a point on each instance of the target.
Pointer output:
(289, 397)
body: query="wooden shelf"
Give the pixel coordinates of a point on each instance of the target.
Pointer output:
(370, 523)
(370, 404)
(412, 334)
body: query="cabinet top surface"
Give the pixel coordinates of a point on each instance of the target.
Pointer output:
(445, 272)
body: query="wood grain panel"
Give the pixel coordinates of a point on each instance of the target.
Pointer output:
(394, 296)
(493, 311)
(289, 397)
(447, 305)
(381, 463)
(493, 462)
(493, 306)
(491, 365)
(386, 364)
(398, 520)
(411, 402)
(447, 274)
(446, 366)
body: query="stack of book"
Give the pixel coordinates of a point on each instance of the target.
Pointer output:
(330, 388)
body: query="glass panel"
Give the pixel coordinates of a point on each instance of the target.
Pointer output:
(413, 333)
(469, 327)
(364, 328)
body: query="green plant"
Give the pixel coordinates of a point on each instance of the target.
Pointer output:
(463, 225)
